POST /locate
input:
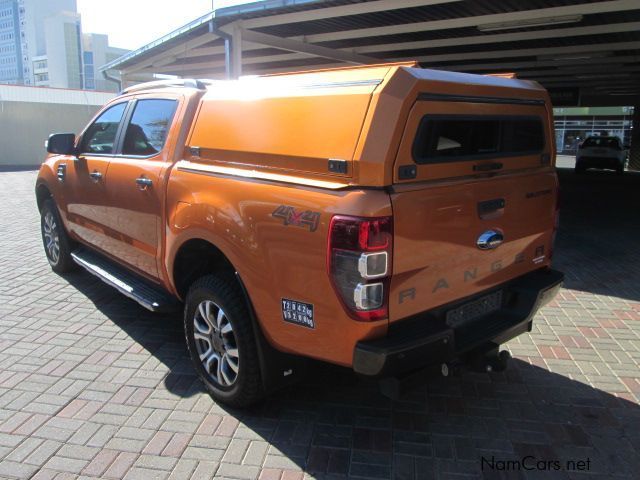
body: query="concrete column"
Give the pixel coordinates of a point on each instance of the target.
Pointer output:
(236, 51)
(634, 155)
(227, 58)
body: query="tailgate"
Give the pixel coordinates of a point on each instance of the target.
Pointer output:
(465, 227)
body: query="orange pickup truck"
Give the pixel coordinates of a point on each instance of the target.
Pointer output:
(384, 218)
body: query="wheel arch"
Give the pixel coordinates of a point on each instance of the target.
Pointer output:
(277, 368)
(42, 193)
(193, 259)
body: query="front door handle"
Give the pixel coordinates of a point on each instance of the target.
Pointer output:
(144, 182)
(95, 176)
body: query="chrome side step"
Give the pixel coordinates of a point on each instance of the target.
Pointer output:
(136, 288)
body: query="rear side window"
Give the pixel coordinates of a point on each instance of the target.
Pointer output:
(460, 137)
(101, 135)
(148, 128)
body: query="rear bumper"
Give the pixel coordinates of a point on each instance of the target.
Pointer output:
(426, 339)
(599, 162)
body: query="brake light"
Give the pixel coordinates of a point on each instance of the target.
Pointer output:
(359, 264)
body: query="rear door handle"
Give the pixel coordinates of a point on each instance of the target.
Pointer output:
(144, 182)
(487, 167)
(95, 176)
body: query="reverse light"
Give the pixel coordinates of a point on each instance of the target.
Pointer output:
(359, 264)
(368, 296)
(373, 265)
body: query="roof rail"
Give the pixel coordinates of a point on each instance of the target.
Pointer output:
(178, 82)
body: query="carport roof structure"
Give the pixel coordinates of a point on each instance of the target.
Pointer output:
(593, 46)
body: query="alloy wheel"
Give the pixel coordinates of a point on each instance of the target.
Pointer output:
(216, 343)
(51, 237)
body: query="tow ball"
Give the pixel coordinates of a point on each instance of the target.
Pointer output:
(492, 360)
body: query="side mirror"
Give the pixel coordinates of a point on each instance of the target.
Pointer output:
(61, 144)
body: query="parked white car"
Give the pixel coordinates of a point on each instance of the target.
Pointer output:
(601, 152)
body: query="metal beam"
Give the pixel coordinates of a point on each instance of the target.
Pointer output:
(341, 11)
(501, 38)
(580, 9)
(434, 59)
(427, 60)
(630, 82)
(510, 66)
(175, 51)
(483, 67)
(562, 73)
(525, 52)
(305, 48)
(451, 42)
(586, 77)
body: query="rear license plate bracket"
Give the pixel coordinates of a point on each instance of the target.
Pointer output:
(470, 311)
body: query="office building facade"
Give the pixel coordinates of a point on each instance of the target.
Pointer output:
(42, 44)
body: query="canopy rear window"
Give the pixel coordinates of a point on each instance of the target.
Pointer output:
(451, 138)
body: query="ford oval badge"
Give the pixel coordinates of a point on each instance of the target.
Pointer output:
(489, 240)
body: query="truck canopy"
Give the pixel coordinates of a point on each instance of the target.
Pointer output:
(340, 127)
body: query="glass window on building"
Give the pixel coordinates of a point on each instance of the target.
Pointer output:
(574, 125)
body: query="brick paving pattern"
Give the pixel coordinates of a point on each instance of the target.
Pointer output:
(94, 386)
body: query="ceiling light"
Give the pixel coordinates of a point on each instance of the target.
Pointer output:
(531, 22)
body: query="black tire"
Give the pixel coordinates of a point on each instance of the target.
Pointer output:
(224, 293)
(52, 230)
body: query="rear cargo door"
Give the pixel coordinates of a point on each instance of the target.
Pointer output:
(473, 200)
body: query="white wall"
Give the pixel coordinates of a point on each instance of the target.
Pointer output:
(28, 116)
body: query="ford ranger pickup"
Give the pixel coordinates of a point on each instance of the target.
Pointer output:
(383, 218)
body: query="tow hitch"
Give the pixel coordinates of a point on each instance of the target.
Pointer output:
(480, 360)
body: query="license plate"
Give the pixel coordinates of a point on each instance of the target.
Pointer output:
(475, 309)
(599, 150)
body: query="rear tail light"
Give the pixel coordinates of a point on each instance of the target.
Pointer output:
(359, 264)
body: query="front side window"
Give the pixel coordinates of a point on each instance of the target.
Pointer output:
(459, 137)
(149, 126)
(101, 135)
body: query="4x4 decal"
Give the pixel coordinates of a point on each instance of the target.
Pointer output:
(306, 218)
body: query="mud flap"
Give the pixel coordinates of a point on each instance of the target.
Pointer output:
(278, 369)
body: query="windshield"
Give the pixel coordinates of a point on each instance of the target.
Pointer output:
(609, 142)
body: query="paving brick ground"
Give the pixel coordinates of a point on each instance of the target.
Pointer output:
(93, 386)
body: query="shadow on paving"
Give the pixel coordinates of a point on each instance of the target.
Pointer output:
(597, 244)
(335, 423)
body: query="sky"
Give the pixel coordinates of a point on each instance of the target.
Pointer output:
(131, 24)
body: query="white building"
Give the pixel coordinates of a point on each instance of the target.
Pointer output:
(63, 41)
(32, 42)
(96, 53)
(42, 44)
